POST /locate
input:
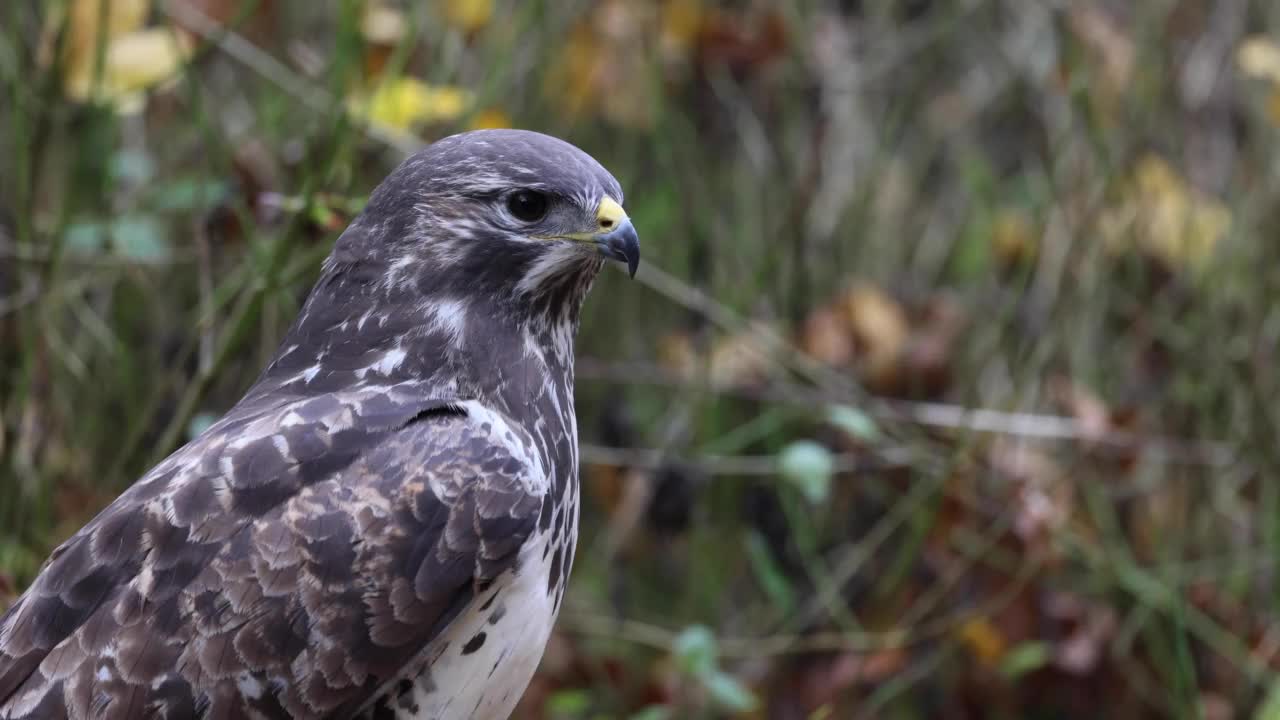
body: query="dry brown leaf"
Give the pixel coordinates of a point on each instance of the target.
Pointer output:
(605, 51)
(741, 42)
(742, 359)
(1090, 412)
(880, 329)
(1082, 650)
(1043, 500)
(827, 337)
(928, 356)
(824, 681)
(1100, 32)
(8, 591)
(1214, 706)
(604, 484)
(677, 354)
(254, 20)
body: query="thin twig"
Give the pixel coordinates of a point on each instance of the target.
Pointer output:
(1031, 426)
(1028, 425)
(204, 276)
(11, 250)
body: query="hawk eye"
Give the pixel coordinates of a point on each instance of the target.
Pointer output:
(527, 205)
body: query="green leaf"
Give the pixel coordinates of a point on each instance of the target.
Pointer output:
(199, 423)
(85, 238)
(767, 572)
(1270, 707)
(695, 650)
(188, 194)
(573, 702)
(132, 167)
(729, 693)
(1025, 658)
(971, 252)
(653, 712)
(809, 466)
(322, 215)
(139, 238)
(853, 421)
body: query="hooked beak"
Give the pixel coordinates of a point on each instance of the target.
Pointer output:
(614, 236)
(621, 244)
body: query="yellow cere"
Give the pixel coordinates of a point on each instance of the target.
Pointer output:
(610, 215)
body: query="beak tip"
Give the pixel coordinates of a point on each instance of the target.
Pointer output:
(623, 245)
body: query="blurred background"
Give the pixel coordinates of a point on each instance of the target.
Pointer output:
(948, 388)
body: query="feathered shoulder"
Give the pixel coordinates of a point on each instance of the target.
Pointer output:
(289, 562)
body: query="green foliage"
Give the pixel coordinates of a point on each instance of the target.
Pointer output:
(808, 465)
(696, 655)
(856, 423)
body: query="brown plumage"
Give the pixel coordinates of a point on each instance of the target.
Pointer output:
(384, 524)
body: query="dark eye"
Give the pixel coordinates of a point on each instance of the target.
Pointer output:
(527, 205)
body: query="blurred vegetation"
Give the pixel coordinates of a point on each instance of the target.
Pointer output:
(948, 388)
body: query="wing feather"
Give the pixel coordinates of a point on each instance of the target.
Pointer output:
(292, 562)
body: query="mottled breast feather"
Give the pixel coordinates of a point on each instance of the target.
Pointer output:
(290, 562)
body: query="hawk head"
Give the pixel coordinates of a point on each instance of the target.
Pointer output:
(465, 244)
(503, 211)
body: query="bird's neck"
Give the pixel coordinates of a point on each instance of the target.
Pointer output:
(512, 350)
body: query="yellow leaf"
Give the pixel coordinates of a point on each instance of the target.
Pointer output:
(467, 15)
(605, 52)
(983, 639)
(681, 21)
(1260, 57)
(404, 103)
(573, 79)
(489, 119)
(83, 21)
(1165, 217)
(132, 62)
(83, 25)
(1012, 236)
(1273, 106)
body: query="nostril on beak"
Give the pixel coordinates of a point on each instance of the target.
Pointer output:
(606, 223)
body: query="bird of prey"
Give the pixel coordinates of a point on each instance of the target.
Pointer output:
(382, 527)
